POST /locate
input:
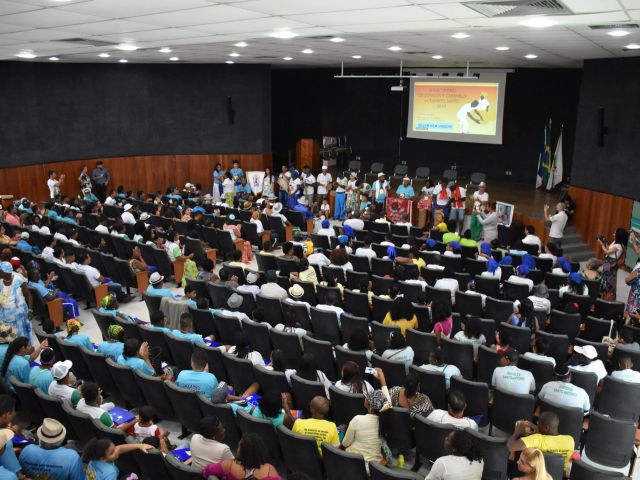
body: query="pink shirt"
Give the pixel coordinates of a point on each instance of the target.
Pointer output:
(217, 470)
(444, 327)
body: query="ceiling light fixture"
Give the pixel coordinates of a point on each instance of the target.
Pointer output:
(618, 33)
(26, 55)
(632, 46)
(437, 57)
(284, 34)
(336, 39)
(123, 60)
(395, 48)
(502, 49)
(165, 50)
(538, 22)
(460, 35)
(234, 54)
(230, 62)
(104, 55)
(531, 56)
(174, 59)
(307, 51)
(288, 58)
(357, 57)
(54, 59)
(241, 44)
(127, 47)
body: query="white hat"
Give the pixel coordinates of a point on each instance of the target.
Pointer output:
(144, 216)
(303, 201)
(296, 291)
(24, 235)
(381, 174)
(155, 278)
(128, 207)
(234, 301)
(588, 351)
(5, 436)
(61, 369)
(251, 277)
(51, 432)
(406, 178)
(353, 174)
(277, 207)
(482, 184)
(325, 166)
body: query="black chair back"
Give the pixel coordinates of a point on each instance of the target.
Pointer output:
(509, 408)
(300, 453)
(339, 464)
(609, 441)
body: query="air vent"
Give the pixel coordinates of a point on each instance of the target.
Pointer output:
(265, 57)
(516, 8)
(614, 25)
(87, 42)
(416, 53)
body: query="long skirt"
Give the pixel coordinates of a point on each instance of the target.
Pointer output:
(609, 280)
(18, 318)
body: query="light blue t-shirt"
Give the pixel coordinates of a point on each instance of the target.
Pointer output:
(20, 368)
(160, 292)
(106, 311)
(191, 303)
(111, 349)
(193, 337)
(9, 460)
(81, 340)
(60, 463)
(41, 378)
(97, 470)
(275, 421)
(7, 474)
(406, 191)
(24, 246)
(162, 329)
(200, 382)
(40, 287)
(135, 363)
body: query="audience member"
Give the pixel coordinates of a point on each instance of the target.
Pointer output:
(437, 364)
(509, 378)
(464, 462)
(454, 415)
(410, 398)
(198, 378)
(318, 427)
(207, 446)
(562, 392)
(251, 461)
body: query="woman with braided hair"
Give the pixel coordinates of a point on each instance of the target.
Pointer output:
(114, 345)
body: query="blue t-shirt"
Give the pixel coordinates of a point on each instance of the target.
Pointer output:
(162, 329)
(243, 189)
(20, 368)
(191, 303)
(60, 463)
(97, 470)
(81, 340)
(39, 286)
(41, 378)
(161, 292)
(24, 246)
(111, 349)
(200, 382)
(406, 191)
(275, 421)
(193, 337)
(135, 363)
(9, 460)
(106, 311)
(7, 474)
(236, 172)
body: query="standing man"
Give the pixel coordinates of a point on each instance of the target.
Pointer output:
(379, 191)
(481, 195)
(236, 172)
(324, 181)
(458, 198)
(405, 190)
(100, 177)
(283, 185)
(558, 222)
(441, 197)
(54, 184)
(309, 185)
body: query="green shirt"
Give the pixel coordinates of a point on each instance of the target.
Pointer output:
(468, 242)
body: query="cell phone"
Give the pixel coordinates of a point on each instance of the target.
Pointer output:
(370, 370)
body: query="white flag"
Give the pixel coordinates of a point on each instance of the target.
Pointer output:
(556, 173)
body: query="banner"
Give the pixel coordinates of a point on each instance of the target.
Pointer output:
(254, 179)
(397, 207)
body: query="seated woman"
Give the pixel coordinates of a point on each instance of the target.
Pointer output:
(114, 346)
(398, 350)
(410, 398)
(464, 461)
(351, 379)
(243, 349)
(109, 306)
(307, 370)
(442, 319)
(100, 454)
(575, 285)
(401, 315)
(136, 356)
(592, 269)
(17, 360)
(48, 291)
(251, 461)
(207, 445)
(73, 327)
(472, 333)
(359, 342)
(137, 263)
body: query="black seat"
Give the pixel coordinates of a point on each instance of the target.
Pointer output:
(203, 322)
(609, 442)
(554, 465)
(380, 472)
(219, 294)
(626, 351)
(489, 287)
(158, 343)
(400, 436)
(271, 305)
(565, 323)
(357, 304)
(596, 328)
(460, 355)
(151, 301)
(224, 413)
(345, 405)
(488, 361)
(583, 471)
(289, 343)
(73, 352)
(186, 406)
(181, 350)
(239, 371)
(345, 355)
(571, 419)
(520, 337)
(228, 328)
(499, 310)
(509, 408)
(270, 380)
(265, 430)
(322, 351)
(124, 379)
(82, 423)
(433, 385)
(304, 391)
(558, 345)
(542, 371)
(340, 465)
(515, 291)
(131, 329)
(554, 280)
(300, 453)
(468, 304)
(325, 326)
(585, 302)
(477, 396)
(601, 348)
(381, 307)
(349, 323)
(153, 390)
(52, 407)
(179, 471)
(151, 462)
(430, 437)
(103, 321)
(381, 267)
(380, 335)
(394, 372)
(258, 335)
(588, 381)
(495, 454)
(613, 400)
(266, 262)
(422, 344)
(214, 360)
(609, 310)
(29, 403)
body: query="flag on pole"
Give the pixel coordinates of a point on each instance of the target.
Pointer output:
(544, 160)
(556, 170)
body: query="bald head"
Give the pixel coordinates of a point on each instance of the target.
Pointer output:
(625, 363)
(548, 423)
(319, 407)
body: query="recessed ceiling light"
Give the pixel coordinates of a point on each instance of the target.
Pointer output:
(104, 55)
(285, 34)
(460, 35)
(618, 33)
(531, 56)
(288, 58)
(174, 59)
(437, 57)
(123, 60)
(241, 44)
(538, 22)
(54, 59)
(357, 57)
(27, 55)
(165, 50)
(395, 48)
(307, 51)
(230, 62)
(234, 54)
(502, 49)
(336, 39)
(632, 46)
(127, 47)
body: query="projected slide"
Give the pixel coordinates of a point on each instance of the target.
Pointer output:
(456, 110)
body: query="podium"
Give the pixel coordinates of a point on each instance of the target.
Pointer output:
(308, 153)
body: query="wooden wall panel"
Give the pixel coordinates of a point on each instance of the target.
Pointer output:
(148, 173)
(599, 213)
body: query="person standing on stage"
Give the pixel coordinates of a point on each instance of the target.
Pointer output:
(236, 172)
(558, 222)
(324, 180)
(309, 181)
(458, 198)
(489, 221)
(54, 184)
(100, 177)
(84, 179)
(352, 193)
(405, 190)
(379, 191)
(442, 196)
(341, 197)
(481, 194)
(283, 185)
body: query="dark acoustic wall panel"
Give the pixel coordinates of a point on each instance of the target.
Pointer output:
(54, 112)
(610, 84)
(311, 103)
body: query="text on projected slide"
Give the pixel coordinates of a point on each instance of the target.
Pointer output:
(460, 107)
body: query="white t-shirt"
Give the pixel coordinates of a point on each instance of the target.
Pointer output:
(355, 223)
(102, 229)
(110, 201)
(565, 394)
(532, 240)
(349, 388)
(365, 252)
(617, 253)
(258, 224)
(205, 451)
(476, 342)
(539, 358)
(436, 192)
(454, 467)
(628, 375)
(596, 366)
(513, 380)
(300, 332)
(54, 187)
(448, 370)
(450, 284)
(329, 232)
(228, 186)
(521, 281)
(480, 197)
(331, 308)
(91, 273)
(558, 222)
(309, 180)
(127, 217)
(404, 355)
(442, 416)
(565, 288)
(318, 259)
(540, 303)
(323, 179)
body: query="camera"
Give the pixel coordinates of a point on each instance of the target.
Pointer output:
(602, 238)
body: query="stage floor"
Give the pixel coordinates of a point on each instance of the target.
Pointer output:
(528, 200)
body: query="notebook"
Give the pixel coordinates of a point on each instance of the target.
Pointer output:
(120, 415)
(182, 454)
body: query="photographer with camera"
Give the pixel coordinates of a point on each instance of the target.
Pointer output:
(558, 222)
(614, 255)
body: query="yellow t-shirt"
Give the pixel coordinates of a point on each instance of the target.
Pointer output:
(420, 263)
(321, 430)
(558, 444)
(403, 323)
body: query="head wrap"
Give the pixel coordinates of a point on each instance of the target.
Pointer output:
(529, 261)
(73, 324)
(431, 243)
(343, 239)
(348, 231)
(326, 223)
(107, 301)
(377, 401)
(566, 266)
(523, 270)
(114, 331)
(485, 248)
(455, 245)
(492, 265)
(506, 260)
(442, 227)
(6, 267)
(575, 278)
(391, 252)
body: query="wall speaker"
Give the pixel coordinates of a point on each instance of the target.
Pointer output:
(601, 129)
(231, 113)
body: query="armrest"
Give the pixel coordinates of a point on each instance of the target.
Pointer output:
(55, 311)
(100, 292)
(142, 281)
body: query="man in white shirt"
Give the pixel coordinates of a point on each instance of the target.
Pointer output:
(54, 185)
(234, 302)
(531, 238)
(309, 181)
(558, 222)
(464, 114)
(317, 258)
(366, 250)
(330, 305)
(250, 287)
(95, 278)
(111, 199)
(540, 349)
(323, 179)
(355, 222)
(454, 415)
(276, 212)
(436, 364)
(540, 298)
(127, 216)
(271, 289)
(562, 392)
(590, 362)
(521, 277)
(509, 378)
(450, 284)
(481, 194)
(626, 372)
(102, 226)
